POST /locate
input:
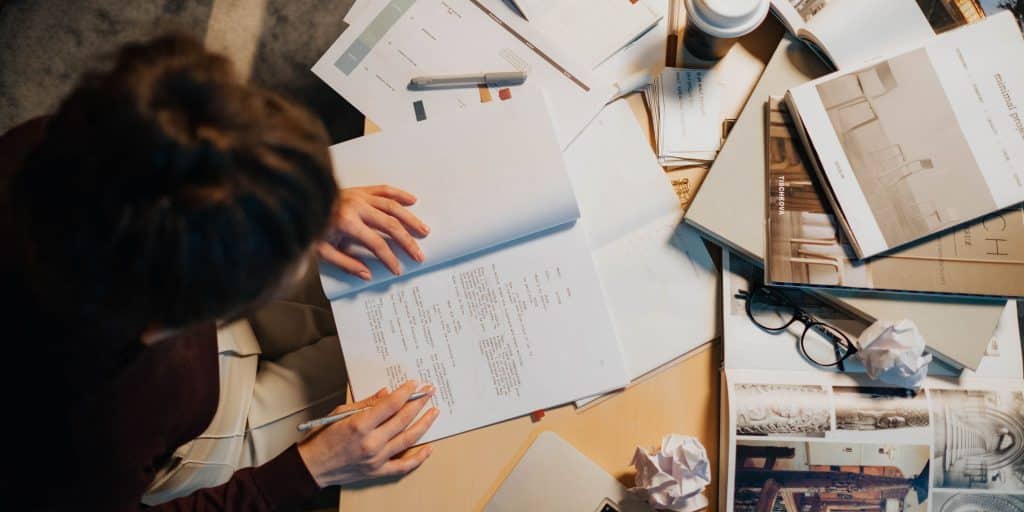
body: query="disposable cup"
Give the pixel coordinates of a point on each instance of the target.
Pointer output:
(713, 26)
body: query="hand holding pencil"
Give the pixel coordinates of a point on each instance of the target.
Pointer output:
(374, 442)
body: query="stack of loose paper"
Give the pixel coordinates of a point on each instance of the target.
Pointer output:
(589, 31)
(645, 54)
(389, 42)
(686, 108)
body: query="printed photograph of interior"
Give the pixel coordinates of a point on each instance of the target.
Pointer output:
(979, 439)
(902, 140)
(795, 476)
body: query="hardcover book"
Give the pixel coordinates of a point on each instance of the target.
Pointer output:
(806, 247)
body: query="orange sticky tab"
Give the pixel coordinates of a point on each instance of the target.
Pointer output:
(537, 415)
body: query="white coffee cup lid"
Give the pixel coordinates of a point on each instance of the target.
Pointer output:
(727, 18)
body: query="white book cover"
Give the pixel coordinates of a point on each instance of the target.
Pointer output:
(658, 278)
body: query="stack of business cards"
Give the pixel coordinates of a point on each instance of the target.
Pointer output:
(686, 114)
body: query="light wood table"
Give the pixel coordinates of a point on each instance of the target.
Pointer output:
(466, 470)
(682, 397)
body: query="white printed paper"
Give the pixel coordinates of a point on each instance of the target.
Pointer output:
(392, 41)
(500, 335)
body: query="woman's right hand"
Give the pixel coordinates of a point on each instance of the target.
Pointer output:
(373, 443)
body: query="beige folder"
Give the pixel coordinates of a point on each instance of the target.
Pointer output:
(730, 209)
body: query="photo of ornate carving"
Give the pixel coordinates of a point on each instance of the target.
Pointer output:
(868, 408)
(765, 409)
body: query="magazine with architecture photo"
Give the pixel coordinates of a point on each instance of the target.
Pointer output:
(797, 438)
(817, 441)
(920, 142)
(806, 247)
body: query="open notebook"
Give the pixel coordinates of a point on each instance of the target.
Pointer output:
(848, 32)
(507, 315)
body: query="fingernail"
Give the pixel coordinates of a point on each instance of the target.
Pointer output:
(424, 228)
(435, 411)
(412, 383)
(429, 389)
(419, 255)
(364, 275)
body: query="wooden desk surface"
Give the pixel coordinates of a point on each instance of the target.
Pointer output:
(682, 397)
(466, 470)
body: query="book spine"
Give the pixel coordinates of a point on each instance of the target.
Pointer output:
(768, 206)
(812, 156)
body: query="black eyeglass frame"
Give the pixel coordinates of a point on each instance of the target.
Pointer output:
(805, 318)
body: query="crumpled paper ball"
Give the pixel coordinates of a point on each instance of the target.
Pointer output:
(894, 353)
(674, 477)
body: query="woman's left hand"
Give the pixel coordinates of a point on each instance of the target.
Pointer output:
(364, 216)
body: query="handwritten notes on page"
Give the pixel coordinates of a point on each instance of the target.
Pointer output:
(501, 334)
(510, 318)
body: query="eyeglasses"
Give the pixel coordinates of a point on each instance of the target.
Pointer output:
(820, 343)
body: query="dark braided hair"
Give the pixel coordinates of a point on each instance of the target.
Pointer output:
(169, 193)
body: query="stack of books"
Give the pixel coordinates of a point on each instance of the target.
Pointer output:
(888, 189)
(865, 198)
